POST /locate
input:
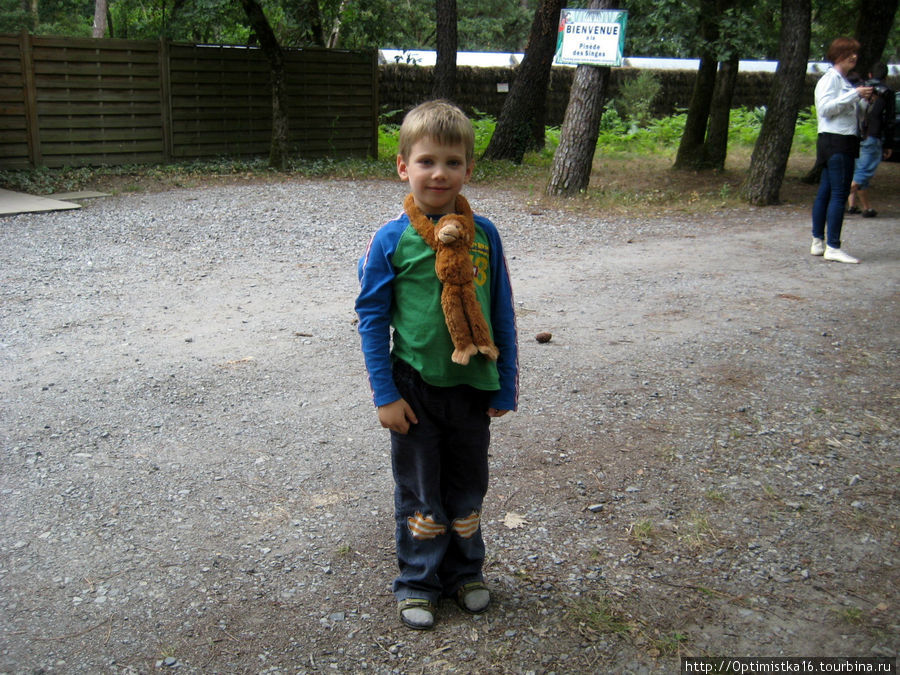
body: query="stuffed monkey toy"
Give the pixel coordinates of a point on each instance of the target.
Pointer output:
(451, 238)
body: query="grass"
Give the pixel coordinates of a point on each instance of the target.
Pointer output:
(699, 532)
(670, 644)
(598, 614)
(851, 615)
(642, 532)
(632, 169)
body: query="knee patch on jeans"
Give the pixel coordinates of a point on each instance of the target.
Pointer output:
(425, 527)
(468, 526)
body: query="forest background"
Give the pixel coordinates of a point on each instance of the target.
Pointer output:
(662, 28)
(717, 31)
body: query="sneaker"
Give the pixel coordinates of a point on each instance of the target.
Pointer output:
(473, 597)
(837, 255)
(417, 613)
(818, 246)
(854, 209)
(869, 213)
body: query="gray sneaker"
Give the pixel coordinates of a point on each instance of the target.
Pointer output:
(473, 597)
(417, 613)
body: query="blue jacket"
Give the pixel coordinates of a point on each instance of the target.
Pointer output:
(375, 307)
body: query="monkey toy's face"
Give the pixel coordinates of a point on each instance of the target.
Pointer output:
(450, 233)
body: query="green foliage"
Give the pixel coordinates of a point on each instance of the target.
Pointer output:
(484, 128)
(618, 136)
(655, 28)
(806, 132)
(636, 96)
(13, 18)
(662, 28)
(493, 25)
(54, 17)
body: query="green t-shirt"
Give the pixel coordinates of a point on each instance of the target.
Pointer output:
(421, 338)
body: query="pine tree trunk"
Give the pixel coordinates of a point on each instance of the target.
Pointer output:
(716, 146)
(98, 30)
(444, 85)
(691, 148)
(574, 158)
(527, 98)
(278, 150)
(773, 147)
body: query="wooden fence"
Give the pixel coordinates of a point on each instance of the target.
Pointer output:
(84, 102)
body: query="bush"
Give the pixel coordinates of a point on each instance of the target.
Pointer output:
(636, 96)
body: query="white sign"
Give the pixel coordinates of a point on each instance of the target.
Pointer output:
(591, 36)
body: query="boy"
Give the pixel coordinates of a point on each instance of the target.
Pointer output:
(877, 139)
(437, 410)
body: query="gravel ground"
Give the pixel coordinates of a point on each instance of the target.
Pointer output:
(193, 479)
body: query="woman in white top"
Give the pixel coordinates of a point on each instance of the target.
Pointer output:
(836, 149)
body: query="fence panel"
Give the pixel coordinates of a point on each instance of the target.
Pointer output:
(221, 101)
(336, 94)
(75, 102)
(98, 101)
(15, 151)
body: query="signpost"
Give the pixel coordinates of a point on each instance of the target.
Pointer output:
(594, 37)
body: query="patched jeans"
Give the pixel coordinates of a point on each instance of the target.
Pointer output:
(828, 207)
(440, 480)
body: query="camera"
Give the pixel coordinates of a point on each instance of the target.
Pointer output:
(878, 87)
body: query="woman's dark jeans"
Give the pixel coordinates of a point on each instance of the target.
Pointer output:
(828, 208)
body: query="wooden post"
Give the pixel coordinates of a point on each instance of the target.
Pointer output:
(32, 128)
(165, 96)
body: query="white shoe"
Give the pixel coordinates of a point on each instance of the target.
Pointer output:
(818, 246)
(837, 255)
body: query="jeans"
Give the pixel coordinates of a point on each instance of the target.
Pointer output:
(828, 207)
(440, 479)
(870, 152)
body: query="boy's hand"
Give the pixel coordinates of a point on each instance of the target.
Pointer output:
(397, 416)
(493, 412)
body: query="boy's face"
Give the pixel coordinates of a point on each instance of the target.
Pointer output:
(436, 174)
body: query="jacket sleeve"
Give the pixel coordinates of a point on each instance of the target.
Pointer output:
(373, 307)
(831, 98)
(503, 322)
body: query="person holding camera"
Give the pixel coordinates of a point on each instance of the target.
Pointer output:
(877, 138)
(837, 147)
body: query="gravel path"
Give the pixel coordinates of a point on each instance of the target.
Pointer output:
(192, 476)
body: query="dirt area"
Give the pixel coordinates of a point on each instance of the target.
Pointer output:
(193, 479)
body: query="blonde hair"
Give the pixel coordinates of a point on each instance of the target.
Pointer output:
(440, 120)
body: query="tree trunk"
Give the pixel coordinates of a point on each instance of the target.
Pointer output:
(716, 147)
(527, 98)
(278, 151)
(873, 26)
(31, 8)
(99, 28)
(773, 147)
(690, 150)
(308, 16)
(574, 158)
(444, 85)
